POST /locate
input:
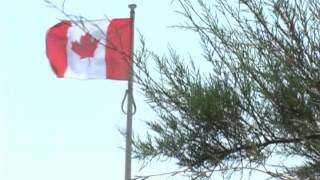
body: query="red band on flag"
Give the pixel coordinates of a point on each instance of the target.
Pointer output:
(56, 43)
(118, 49)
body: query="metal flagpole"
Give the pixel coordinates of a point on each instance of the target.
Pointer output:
(130, 102)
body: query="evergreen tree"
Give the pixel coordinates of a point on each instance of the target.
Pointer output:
(259, 102)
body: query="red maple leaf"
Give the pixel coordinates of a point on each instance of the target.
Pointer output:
(86, 47)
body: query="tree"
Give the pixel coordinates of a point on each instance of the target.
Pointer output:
(260, 101)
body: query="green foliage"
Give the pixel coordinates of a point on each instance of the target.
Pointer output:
(261, 99)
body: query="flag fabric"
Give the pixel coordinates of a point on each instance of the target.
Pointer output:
(90, 50)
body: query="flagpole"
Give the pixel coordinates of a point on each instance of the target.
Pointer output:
(130, 102)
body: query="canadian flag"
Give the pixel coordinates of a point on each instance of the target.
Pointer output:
(91, 50)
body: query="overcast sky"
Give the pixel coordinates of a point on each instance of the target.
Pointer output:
(62, 129)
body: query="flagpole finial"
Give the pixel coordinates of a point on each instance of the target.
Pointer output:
(132, 6)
